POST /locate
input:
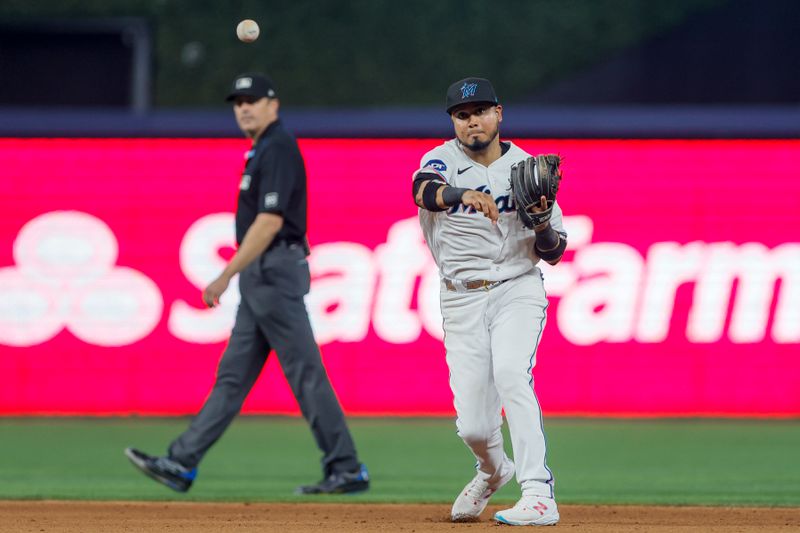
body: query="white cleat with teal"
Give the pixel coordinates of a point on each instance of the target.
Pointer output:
(475, 496)
(530, 511)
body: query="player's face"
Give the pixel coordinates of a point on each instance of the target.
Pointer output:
(477, 124)
(253, 115)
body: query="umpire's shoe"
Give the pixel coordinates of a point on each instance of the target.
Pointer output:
(341, 483)
(163, 469)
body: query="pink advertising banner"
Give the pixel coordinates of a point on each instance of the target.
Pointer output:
(679, 293)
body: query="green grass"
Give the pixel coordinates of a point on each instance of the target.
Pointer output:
(710, 462)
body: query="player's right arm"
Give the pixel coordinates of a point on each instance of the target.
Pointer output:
(432, 192)
(441, 196)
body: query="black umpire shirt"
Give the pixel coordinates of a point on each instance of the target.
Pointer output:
(274, 181)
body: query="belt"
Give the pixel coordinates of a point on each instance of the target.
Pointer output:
(471, 285)
(289, 244)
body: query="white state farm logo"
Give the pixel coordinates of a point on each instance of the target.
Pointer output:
(608, 292)
(66, 277)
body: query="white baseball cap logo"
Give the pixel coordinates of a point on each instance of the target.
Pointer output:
(244, 83)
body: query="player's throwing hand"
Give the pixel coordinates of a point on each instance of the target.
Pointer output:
(481, 202)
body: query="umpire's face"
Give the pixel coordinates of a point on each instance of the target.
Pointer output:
(477, 124)
(253, 115)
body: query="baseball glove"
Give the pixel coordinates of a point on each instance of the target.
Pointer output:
(530, 180)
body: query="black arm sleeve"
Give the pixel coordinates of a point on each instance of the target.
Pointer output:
(550, 244)
(547, 239)
(450, 196)
(429, 194)
(421, 178)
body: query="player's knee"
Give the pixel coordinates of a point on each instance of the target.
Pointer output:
(475, 437)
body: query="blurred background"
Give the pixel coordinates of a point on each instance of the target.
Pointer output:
(173, 55)
(678, 299)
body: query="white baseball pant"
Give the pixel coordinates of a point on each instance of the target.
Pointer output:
(491, 338)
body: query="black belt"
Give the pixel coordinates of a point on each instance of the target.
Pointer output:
(283, 241)
(289, 243)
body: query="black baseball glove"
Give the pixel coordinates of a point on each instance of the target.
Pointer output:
(530, 180)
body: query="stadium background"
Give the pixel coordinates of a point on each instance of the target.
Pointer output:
(678, 302)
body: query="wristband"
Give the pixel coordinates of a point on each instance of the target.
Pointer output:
(554, 253)
(547, 239)
(452, 195)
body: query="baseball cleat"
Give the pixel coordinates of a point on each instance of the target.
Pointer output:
(341, 483)
(163, 469)
(475, 497)
(530, 511)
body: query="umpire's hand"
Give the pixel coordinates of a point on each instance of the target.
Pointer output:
(214, 291)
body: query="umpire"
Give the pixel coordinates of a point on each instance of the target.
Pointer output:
(274, 277)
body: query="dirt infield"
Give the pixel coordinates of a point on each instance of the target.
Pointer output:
(112, 517)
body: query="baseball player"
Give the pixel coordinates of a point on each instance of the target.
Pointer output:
(493, 301)
(273, 278)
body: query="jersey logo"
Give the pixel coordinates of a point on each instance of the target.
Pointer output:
(468, 89)
(271, 200)
(435, 164)
(462, 170)
(245, 184)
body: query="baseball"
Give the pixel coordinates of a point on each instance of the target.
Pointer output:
(247, 31)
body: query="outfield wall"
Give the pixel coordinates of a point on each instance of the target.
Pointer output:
(679, 294)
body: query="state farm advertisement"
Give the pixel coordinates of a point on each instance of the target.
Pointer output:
(679, 293)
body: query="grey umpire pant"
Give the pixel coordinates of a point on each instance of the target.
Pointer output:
(272, 315)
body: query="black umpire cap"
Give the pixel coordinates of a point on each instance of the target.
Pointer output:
(252, 84)
(470, 90)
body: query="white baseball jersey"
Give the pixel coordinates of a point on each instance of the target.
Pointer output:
(464, 243)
